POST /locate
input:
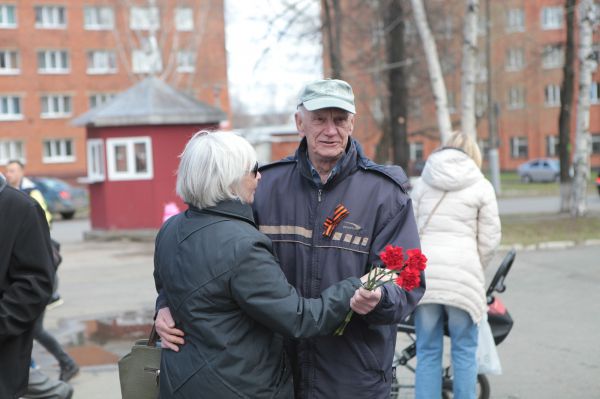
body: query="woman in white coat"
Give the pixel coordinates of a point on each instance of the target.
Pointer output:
(457, 216)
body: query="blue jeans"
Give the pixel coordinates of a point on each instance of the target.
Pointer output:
(429, 324)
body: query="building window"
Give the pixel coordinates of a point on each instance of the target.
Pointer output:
(184, 19)
(50, 17)
(518, 147)
(95, 160)
(480, 68)
(515, 20)
(552, 17)
(516, 97)
(552, 96)
(553, 56)
(10, 108)
(98, 18)
(414, 107)
(596, 53)
(595, 93)
(53, 61)
(144, 18)
(186, 61)
(595, 143)
(416, 151)
(129, 158)
(451, 102)
(147, 60)
(7, 16)
(56, 106)
(58, 150)
(480, 103)
(11, 149)
(9, 62)
(101, 62)
(551, 146)
(97, 99)
(515, 59)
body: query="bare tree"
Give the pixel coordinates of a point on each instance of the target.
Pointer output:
(332, 24)
(581, 158)
(394, 140)
(435, 71)
(566, 104)
(469, 57)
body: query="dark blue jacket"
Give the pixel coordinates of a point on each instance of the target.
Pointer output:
(290, 208)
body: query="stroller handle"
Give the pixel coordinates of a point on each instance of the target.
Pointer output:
(497, 283)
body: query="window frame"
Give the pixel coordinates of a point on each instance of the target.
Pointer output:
(54, 10)
(107, 57)
(515, 15)
(7, 103)
(142, 18)
(595, 142)
(552, 95)
(60, 101)
(102, 96)
(4, 12)
(553, 56)
(96, 165)
(188, 24)
(516, 98)
(95, 12)
(9, 151)
(515, 59)
(549, 18)
(10, 70)
(595, 93)
(187, 55)
(61, 156)
(58, 58)
(129, 143)
(516, 144)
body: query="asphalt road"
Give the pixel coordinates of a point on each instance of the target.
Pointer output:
(552, 295)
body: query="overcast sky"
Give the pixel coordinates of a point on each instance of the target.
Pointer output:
(268, 82)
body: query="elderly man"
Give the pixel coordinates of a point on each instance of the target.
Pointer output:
(330, 211)
(26, 274)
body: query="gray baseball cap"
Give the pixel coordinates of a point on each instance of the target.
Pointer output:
(327, 93)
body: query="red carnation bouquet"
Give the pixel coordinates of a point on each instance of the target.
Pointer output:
(406, 273)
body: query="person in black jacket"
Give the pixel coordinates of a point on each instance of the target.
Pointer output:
(293, 205)
(223, 283)
(26, 276)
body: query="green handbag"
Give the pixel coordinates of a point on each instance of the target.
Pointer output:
(139, 370)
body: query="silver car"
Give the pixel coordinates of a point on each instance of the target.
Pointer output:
(539, 170)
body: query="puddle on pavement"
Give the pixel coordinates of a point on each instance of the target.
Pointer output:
(104, 340)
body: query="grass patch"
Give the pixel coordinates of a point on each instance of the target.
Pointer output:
(533, 229)
(512, 186)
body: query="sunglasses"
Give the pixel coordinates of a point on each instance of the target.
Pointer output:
(254, 170)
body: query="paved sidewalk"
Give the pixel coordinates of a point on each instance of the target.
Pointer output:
(98, 280)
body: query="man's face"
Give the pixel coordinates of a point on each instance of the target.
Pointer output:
(326, 131)
(14, 174)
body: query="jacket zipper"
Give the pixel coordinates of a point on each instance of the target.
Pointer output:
(319, 195)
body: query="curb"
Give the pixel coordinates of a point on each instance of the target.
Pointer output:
(550, 245)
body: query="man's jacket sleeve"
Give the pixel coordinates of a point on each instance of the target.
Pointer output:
(399, 229)
(29, 277)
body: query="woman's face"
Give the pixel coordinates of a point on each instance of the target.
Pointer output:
(248, 185)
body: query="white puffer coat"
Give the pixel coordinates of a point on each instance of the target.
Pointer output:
(462, 234)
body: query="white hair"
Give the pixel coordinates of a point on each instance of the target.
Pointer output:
(212, 166)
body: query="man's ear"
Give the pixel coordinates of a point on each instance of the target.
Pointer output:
(299, 123)
(351, 122)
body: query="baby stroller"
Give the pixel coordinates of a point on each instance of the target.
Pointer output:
(500, 324)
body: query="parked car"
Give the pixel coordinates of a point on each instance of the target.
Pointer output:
(539, 170)
(61, 197)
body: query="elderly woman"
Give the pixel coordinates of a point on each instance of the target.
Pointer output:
(224, 286)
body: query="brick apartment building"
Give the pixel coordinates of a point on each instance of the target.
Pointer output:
(527, 47)
(58, 59)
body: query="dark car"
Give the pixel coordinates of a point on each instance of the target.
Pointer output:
(61, 197)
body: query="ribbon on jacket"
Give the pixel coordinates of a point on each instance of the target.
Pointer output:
(332, 222)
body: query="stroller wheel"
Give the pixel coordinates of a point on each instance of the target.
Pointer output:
(483, 387)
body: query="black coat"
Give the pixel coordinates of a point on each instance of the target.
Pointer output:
(226, 290)
(26, 275)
